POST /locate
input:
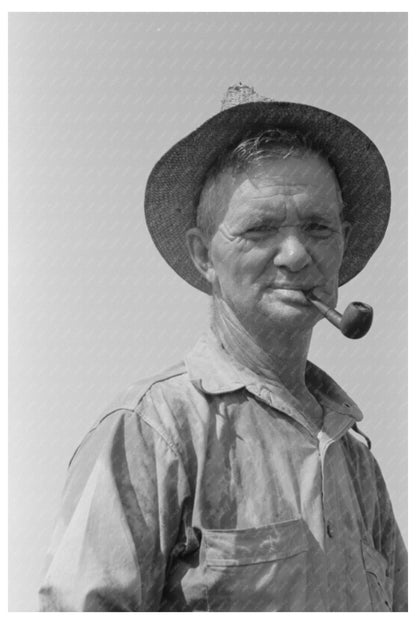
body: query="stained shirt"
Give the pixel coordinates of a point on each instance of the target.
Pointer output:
(207, 489)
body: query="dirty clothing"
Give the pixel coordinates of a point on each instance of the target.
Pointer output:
(206, 489)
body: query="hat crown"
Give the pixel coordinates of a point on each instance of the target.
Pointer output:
(241, 94)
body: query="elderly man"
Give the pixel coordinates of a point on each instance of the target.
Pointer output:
(232, 481)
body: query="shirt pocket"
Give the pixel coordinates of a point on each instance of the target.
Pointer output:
(380, 586)
(256, 569)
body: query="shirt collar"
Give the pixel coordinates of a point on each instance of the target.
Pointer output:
(213, 371)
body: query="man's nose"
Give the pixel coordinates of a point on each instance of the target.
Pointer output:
(291, 251)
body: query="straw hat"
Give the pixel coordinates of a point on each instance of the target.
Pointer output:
(175, 183)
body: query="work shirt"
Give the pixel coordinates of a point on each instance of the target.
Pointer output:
(207, 489)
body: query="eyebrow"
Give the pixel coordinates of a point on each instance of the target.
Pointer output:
(282, 189)
(254, 219)
(257, 217)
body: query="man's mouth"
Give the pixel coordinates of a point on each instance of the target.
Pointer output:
(302, 287)
(293, 294)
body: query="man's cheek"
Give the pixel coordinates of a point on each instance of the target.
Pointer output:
(229, 255)
(328, 257)
(246, 267)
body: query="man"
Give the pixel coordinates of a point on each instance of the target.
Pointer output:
(232, 482)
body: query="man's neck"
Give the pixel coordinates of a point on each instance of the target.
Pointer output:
(279, 357)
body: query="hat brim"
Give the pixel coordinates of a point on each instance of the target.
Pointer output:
(174, 185)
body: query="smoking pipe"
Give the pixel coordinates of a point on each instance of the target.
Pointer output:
(354, 323)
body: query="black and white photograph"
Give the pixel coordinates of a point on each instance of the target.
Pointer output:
(208, 311)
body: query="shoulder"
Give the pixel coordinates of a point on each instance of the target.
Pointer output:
(130, 398)
(148, 406)
(125, 443)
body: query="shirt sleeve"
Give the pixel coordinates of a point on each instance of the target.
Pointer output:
(119, 520)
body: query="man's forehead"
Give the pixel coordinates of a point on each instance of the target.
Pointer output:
(274, 187)
(280, 207)
(275, 190)
(282, 176)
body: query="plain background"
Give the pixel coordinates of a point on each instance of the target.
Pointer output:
(95, 100)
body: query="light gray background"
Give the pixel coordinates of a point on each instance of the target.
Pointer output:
(95, 99)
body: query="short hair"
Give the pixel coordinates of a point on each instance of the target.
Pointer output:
(268, 144)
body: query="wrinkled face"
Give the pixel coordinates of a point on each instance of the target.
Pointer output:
(281, 234)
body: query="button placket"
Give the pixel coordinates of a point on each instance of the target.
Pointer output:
(329, 504)
(327, 494)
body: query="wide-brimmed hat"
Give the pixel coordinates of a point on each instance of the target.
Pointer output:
(175, 183)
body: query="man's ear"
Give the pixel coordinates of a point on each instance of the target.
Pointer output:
(199, 250)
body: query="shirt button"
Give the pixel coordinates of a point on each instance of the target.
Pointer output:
(330, 529)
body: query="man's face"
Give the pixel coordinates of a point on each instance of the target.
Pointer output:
(281, 235)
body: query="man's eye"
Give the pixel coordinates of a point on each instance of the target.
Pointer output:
(262, 228)
(317, 228)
